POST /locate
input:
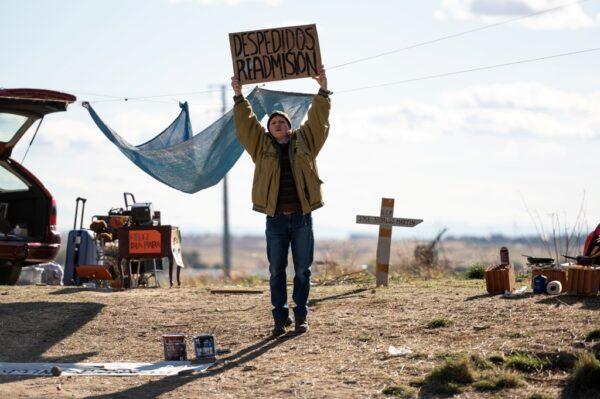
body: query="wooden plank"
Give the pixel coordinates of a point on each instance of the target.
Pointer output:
(266, 55)
(386, 220)
(236, 292)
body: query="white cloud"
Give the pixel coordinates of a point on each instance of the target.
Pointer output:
(518, 109)
(490, 11)
(270, 3)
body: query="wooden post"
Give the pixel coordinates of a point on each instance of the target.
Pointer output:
(384, 243)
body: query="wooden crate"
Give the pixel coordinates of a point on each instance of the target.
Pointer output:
(583, 280)
(499, 279)
(552, 275)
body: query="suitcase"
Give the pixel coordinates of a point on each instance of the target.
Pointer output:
(81, 247)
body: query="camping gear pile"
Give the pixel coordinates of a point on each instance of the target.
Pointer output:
(547, 268)
(93, 254)
(547, 276)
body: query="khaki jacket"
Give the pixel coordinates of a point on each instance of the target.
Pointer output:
(305, 144)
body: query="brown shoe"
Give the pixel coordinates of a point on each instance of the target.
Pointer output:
(301, 326)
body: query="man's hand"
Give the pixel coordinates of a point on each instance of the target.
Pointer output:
(322, 78)
(236, 86)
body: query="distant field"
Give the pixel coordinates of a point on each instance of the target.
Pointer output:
(336, 256)
(249, 258)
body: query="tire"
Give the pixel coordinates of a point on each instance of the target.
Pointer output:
(9, 274)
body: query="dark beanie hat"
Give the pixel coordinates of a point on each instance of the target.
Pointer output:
(282, 114)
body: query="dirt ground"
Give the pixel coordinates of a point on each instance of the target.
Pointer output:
(344, 355)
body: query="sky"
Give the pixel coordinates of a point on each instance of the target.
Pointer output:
(478, 152)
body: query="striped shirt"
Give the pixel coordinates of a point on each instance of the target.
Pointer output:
(287, 198)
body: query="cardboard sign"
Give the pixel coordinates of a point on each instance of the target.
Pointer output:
(361, 219)
(144, 242)
(275, 54)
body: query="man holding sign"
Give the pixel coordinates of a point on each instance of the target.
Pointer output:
(287, 188)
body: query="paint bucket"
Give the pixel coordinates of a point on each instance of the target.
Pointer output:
(204, 347)
(175, 348)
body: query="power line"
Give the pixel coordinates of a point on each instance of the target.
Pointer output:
(97, 95)
(131, 99)
(112, 98)
(441, 75)
(148, 98)
(454, 35)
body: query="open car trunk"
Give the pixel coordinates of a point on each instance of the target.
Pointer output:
(24, 213)
(28, 233)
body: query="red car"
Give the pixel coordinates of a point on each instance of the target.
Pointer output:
(28, 234)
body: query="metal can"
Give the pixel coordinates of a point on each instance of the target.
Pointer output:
(175, 347)
(204, 347)
(504, 259)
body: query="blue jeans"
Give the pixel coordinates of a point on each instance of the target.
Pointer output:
(283, 230)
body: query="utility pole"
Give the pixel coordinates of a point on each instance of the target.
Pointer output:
(226, 236)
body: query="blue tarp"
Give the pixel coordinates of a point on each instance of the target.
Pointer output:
(190, 163)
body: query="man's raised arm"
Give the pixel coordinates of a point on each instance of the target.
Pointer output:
(316, 127)
(248, 129)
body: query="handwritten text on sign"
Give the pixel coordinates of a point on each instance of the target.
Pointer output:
(144, 241)
(387, 221)
(275, 54)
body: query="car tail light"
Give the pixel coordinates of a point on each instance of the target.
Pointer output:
(52, 220)
(53, 236)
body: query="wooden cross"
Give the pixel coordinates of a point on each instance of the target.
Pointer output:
(385, 222)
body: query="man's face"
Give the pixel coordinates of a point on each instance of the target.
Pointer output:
(279, 127)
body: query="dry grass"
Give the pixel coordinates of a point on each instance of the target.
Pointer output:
(345, 354)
